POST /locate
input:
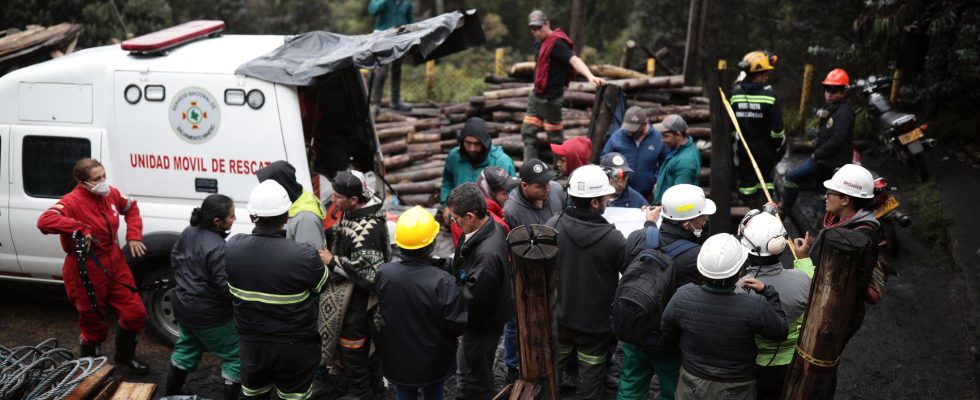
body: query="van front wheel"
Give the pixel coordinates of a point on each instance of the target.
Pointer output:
(160, 306)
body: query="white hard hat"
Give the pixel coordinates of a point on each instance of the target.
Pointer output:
(683, 202)
(852, 180)
(589, 181)
(762, 234)
(721, 256)
(268, 199)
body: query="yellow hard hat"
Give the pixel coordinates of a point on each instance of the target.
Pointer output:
(415, 229)
(758, 61)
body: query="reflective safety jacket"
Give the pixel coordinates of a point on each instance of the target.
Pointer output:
(273, 281)
(758, 114)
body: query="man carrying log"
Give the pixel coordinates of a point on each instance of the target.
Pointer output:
(555, 66)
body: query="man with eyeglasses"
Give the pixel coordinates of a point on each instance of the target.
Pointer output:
(835, 140)
(555, 67)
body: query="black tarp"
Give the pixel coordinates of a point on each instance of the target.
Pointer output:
(307, 57)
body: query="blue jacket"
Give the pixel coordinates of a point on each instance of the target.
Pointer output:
(391, 13)
(629, 198)
(645, 159)
(682, 165)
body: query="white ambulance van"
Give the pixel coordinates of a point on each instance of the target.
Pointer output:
(172, 123)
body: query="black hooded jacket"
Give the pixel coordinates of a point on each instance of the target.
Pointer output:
(480, 266)
(285, 175)
(477, 128)
(686, 263)
(202, 299)
(591, 252)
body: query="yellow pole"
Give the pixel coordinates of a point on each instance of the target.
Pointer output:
(755, 166)
(430, 78)
(498, 62)
(722, 64)
(651, 66)
(896, 79)
(804, 97)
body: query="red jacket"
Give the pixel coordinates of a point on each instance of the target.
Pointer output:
(495, 212)
(81, 210)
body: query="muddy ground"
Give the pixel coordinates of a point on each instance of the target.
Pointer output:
(914, 345)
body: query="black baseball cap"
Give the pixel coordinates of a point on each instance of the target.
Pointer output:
(498, 179)
(535, 170)
(351, 183)
(615, 160)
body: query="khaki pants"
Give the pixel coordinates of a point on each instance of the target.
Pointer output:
(541, 114)
(690, 387)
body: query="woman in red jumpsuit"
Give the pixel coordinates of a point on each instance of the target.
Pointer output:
(93, 209)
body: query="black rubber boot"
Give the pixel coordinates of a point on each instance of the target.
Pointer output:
(89, 350)
(175, 381)
(126, 353)
(232, 391)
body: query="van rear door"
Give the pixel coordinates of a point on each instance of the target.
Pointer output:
(43, 157)
(8, 257)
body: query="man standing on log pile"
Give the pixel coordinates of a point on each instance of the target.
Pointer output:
(584, 279)
(390, 14)
(717, 328)
(761, 119)
(474, 153)
(359, 242)
(556, 65)
(480, 267)
(683, 163)
(640, 144)
(615, 166)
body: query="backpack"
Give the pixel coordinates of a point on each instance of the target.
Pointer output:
(647, 285)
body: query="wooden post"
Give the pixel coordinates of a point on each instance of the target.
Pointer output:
(651, 65)
(533, 251)
(804, 98)
(624, 59)
(692, 49)
(722, 163)
(896, 80)
(430, 78)
(605, 103)
(838, 286)
(577, 23)
(498, 62)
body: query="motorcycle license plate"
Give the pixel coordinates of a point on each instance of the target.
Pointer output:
(910, 137)
(891, 203)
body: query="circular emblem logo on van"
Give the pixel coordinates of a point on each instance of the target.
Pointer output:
(194, 115)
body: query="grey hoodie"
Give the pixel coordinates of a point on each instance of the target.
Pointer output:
(519, 211)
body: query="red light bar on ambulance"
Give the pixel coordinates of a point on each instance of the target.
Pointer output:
(173, 36)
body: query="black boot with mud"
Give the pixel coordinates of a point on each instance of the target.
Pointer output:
(126, 353)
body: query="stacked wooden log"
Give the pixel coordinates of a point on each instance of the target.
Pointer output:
(415, 143)
(23, 47)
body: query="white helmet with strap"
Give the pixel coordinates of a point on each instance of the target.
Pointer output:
(852, 180)
(762, 234)
(589, 181)
(721, 256)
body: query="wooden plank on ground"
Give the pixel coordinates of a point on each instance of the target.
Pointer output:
(109, 389)
(134, 391)
(92, 385)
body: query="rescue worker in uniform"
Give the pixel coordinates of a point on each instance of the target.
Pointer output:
(761, 119)
(834, 146)
(423, 311)
(202, 304)
(306, 213)
(274, 282)
(93, 208)
(359, 242)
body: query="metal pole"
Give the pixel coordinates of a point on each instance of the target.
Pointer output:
(651, 65)
(896, 79)
(498, 62)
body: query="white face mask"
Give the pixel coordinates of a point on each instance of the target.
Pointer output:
(101, 188)
(698, 232)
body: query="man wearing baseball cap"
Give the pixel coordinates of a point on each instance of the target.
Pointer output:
(615, 166)
(572, 154)
(359, 242)
(683, 163)
(640, 145)
(556, 65)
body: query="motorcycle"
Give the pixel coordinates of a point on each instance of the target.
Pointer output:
(899, 132)
(888, 215)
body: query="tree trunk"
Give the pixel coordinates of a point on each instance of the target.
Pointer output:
(837, 291)
(722, 154)
(692, 49)
(602, 115)
(624, 59)
(414, 174)
(577, 23)
(430, 186)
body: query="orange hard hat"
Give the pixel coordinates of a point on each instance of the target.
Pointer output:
(837, 77)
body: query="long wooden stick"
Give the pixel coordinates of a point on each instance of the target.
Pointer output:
(755, 166)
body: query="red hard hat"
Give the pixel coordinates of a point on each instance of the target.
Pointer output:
(837, 77)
